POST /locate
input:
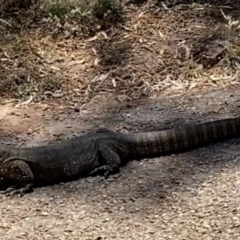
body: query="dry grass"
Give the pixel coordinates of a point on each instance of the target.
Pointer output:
(162, 48)
(152, 51)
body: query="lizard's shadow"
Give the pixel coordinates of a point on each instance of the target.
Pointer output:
(188, 170)
(156, 178)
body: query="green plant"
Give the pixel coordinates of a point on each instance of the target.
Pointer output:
(59, 7)
(107, 8)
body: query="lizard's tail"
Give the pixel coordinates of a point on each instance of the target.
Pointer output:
(183, 138)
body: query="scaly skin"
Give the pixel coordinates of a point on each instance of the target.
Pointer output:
(103, 152)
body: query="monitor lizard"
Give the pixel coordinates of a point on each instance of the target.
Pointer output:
(103, 152)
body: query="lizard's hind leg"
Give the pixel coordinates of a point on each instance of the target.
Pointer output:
(17, 171)
(109, 161)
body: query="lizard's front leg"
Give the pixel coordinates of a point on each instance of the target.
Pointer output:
(17, 171)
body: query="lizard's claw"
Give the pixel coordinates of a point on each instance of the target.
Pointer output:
(16, 190)
(105, 170)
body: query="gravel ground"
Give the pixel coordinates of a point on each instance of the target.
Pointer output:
(194, 195)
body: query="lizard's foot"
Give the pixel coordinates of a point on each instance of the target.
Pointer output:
(105, 170)
(18, 190)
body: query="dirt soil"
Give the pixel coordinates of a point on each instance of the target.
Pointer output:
(133, 77)
(194, 195)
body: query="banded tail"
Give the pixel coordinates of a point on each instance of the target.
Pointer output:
(180, 139)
